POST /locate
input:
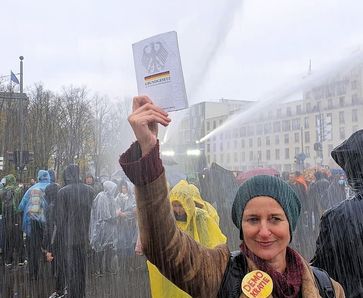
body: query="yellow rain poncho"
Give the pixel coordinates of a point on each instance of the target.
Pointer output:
(199, 224)
(200, 203)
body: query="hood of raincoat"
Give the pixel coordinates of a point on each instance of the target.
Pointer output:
(110, 188)
(204, 204)
(349, 156)
(10, 180)
(51, 175)
(71, 174)
(182, 194)
(43, 176)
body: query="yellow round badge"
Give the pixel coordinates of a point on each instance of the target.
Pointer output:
(257, 284)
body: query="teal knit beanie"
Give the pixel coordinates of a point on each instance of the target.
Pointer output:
(270, 186)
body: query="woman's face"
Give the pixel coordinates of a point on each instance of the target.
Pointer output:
(266, 229)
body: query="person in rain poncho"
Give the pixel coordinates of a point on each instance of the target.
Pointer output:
(197, 223)
(126, 229)
(103, 226)
(10, 196)
(200, 203)
(265, 211)
(72, 217)
(34, 205)
(339, 247)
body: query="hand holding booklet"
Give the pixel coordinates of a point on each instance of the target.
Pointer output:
(159, 72)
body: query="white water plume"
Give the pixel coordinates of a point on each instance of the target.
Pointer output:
(298, 85)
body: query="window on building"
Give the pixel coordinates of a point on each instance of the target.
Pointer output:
(235, 144)
(288, 111)
(250, 142)
(268, 154)
(221, 156)
(341, 101)
(214, 147)
(287, 153)
(242, 132)
(214, 124)
(268, 141)
(298, 109)
(235, 133)
(277, 154)
(277, 139)
(278, 113)
(341, 117)
(242, 143)
(307, 151)
(297, 137)
(251, 155)
(342, 133)
(306, 122)
(286, 125)
(259, 142)
(221, 146)
(354, 84)
(354, 115)
(228, 147)
(286, 138)
(330, 103)
(308, 107)
(295, 124)
(235, 157)
(297, 150)
(277, 126)
(250, 131)
(307, 137)
(355, 99)
(267, 128)
(259, 155)
(243, 156)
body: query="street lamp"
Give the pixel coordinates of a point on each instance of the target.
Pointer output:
(193, 152)
(168, 153)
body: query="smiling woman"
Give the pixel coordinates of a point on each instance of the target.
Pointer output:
(265, 210)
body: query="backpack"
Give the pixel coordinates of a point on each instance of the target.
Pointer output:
(237, 268)
(36, 204)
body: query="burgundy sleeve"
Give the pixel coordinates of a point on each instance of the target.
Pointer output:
(141, 170)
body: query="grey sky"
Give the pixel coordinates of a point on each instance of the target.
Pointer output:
(231, 49)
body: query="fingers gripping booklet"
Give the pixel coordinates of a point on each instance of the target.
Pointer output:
(159, 72)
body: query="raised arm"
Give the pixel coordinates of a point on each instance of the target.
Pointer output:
(194, 268)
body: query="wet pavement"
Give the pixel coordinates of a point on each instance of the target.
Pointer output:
(124, 282)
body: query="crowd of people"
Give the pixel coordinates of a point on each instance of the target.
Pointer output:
(292, 226)
(70, 227)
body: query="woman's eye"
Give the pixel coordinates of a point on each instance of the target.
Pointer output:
(252, 219)
(275, 218)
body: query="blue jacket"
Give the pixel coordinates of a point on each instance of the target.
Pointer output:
(43, 181)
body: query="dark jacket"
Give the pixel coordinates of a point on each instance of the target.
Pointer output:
(339, 248)
(73, 209)
(51, 192)
(194, 268)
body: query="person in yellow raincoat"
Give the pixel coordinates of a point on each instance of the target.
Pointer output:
(200, 203)
(194, 221)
